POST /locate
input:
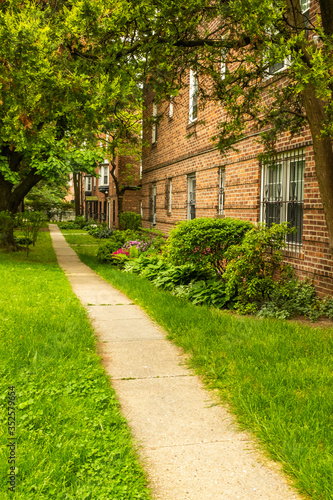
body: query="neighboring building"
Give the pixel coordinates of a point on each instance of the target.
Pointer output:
(184, 176)
(100, 199)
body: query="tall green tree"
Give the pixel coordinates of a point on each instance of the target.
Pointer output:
(54, 101)
(160, 41)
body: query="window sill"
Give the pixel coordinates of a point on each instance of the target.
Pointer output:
(191, 125)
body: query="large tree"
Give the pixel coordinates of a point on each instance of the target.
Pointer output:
(162, 40)
(54, 101)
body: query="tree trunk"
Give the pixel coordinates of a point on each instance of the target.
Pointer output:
(323, 154)
(77, 193)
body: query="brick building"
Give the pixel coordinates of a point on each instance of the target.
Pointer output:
(184, 176)
(100, 198)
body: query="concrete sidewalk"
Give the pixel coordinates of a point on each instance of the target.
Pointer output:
(188, 444)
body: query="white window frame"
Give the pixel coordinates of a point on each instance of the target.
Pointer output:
(171, 107)
(104, 175)
(281, 193)
(193, 97)
(88, 183)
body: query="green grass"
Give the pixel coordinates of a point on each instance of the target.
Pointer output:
(73, 237)
(276, 376)
(72, 441)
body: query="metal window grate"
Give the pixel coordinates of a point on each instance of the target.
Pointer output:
(282, 194)
(221, 191)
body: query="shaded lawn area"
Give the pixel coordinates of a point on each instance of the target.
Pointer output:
(276, 376)
(71, 440)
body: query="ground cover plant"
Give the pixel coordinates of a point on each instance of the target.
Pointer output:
(275, 375)
(71, 440)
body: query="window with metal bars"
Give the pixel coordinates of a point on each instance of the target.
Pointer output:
(282, 193)
(191, 184)
(221, 190)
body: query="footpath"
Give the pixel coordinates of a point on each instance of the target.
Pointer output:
(189, 445)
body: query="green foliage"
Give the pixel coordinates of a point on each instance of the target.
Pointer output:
(30, 223)
(255, 267)
(178, 275)
(204, 241)
(296, 298)
(116, 241)
(209, 292)
(101, 233)
(130, 220)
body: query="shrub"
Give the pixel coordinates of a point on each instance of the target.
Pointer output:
(30, 223)
(211, 293)
(130, 220)
(255, 267)
(178, 275)
(205, 241)
(101, 233)
(140, 246)
(116, 241)
(154, 238)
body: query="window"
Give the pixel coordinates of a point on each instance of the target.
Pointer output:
(171, 107)
(305, 8)
(140, 168)
(114, 211)
(168, 195)
(193, 107)
(104, 175)
(224, 63)
(152, 204)
(282, 193)
(141, 209)
(221, 190)
(191, 183)
(88, 184)
(154, 126)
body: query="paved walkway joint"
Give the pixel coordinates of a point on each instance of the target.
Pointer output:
(189, 445)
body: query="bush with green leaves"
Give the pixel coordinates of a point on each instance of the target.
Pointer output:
(204, 241)
(297, 298)
(255, 267)
(68, 225)
(206, 292)
(101, 233)
(30, 223)
(173, 276)
(130, 220)
(114, 243)
(154, 238)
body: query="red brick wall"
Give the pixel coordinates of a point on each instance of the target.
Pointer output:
(182, 149)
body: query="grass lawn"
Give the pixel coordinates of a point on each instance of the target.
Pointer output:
(71, 440)
(79, 237)
(275, 375)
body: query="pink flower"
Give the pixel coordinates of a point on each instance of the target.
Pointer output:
(121, 250)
